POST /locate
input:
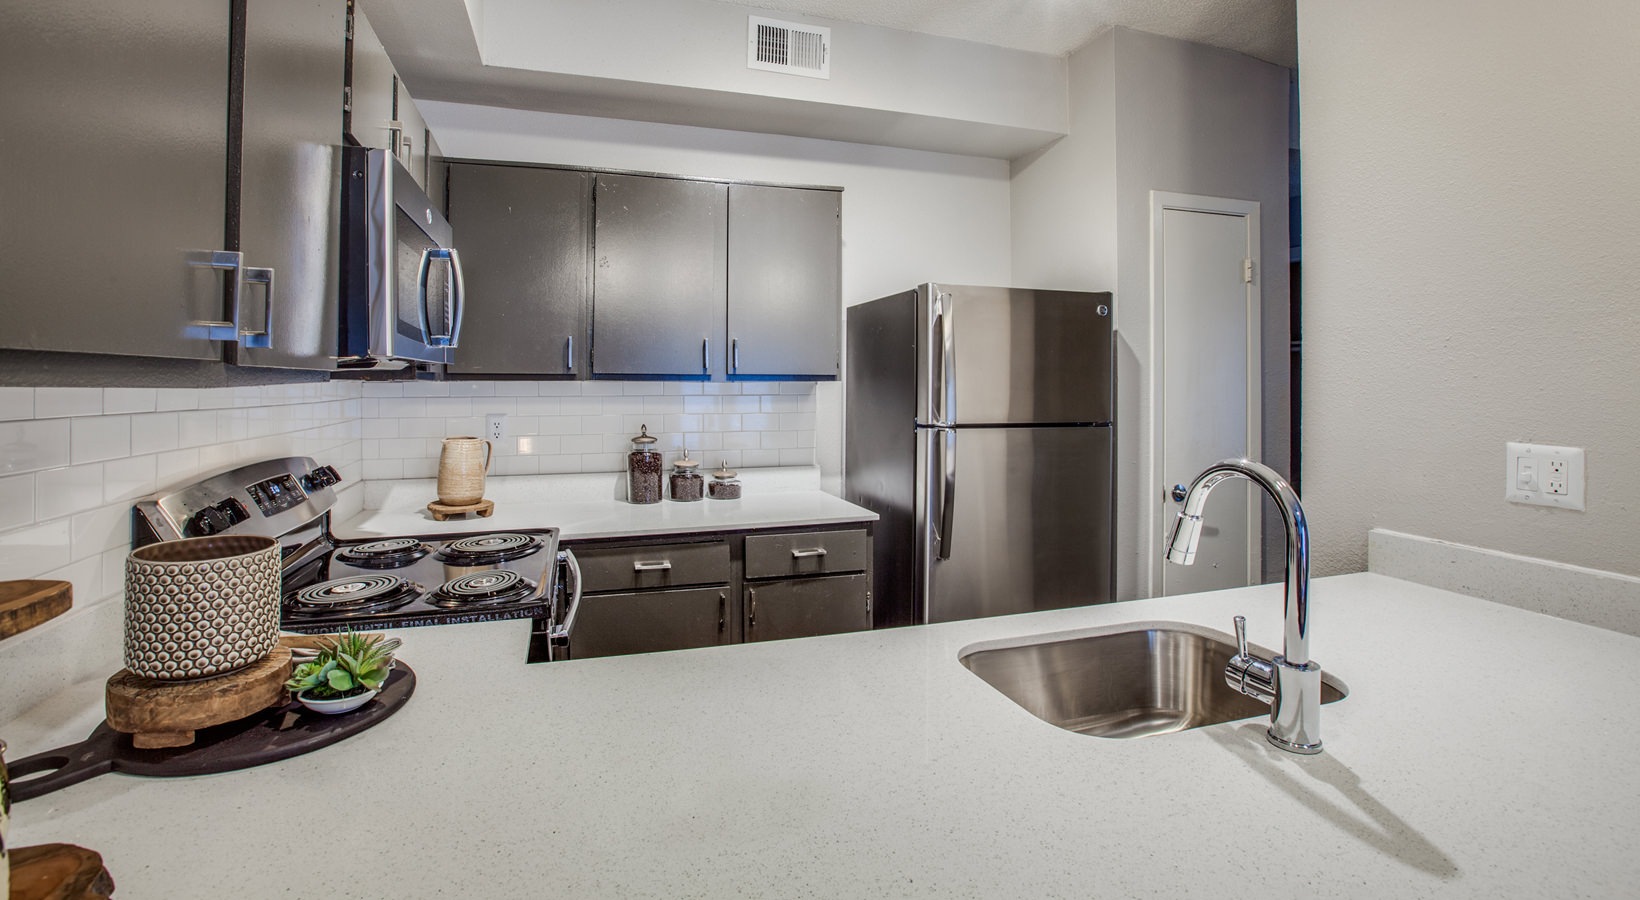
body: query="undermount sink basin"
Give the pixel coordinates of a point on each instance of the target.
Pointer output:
(1154, 679)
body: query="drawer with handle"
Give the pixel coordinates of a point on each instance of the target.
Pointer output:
(652, 567)
(809, 553)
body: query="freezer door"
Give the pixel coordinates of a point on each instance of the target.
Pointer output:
(1013, 520)
(989, 356)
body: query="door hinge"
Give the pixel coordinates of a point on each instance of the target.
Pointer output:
(1247, 271)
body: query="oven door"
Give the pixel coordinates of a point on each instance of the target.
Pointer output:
(408, 298)
(550, 640)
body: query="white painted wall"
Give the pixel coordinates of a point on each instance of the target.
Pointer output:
(908, 216)
(1472, 218)
(1153, 113)
(702, 44)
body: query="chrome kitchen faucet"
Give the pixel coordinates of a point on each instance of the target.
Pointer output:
(1290, 683)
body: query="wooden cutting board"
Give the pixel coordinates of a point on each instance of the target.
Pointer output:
(59, 872)
(25, 604)
(167, 713)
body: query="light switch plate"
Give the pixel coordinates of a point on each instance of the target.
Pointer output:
(1556, 475)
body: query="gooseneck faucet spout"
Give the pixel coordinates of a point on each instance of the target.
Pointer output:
(1291, 682)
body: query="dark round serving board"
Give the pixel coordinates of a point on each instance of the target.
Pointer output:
(268, 736)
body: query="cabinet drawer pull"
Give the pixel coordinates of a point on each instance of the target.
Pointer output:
(655, 566)
(804, 554)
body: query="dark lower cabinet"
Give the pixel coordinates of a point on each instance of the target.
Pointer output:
(701, 590)
(805, 607)
(651, 621)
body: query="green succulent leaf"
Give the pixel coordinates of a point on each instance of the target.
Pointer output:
(340, 680)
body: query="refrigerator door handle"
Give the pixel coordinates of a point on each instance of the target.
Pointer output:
(948, 494)
(948, 362)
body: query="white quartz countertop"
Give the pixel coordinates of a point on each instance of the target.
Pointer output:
(1483, 751)
(584, 507)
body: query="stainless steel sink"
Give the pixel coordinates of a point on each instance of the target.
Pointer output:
(1155, 679)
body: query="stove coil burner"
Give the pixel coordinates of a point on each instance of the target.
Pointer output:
(349, 596)
(482, 588)
(386, 554)
(488, 549)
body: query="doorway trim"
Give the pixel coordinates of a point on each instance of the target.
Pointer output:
(1156, 526)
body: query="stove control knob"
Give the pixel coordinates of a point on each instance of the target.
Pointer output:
(206, 522)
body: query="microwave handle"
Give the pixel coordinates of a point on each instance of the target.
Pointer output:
(457, 297)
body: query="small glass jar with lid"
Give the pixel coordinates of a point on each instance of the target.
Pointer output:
(687, 483)
(643, 470)
(724, 486)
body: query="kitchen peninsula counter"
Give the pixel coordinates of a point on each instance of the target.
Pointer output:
(1483, 751)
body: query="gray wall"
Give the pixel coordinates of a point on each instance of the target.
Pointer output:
(1472, 218)
(1150, 113)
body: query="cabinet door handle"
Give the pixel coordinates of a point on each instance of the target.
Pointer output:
(723, 611)
(263, 338)
(812, 551)
(706, 355)
(751, 612)
(569, 353)
(232, 264)
(652, 566)
(734, 355)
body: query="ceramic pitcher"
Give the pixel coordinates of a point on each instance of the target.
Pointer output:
(461, 467)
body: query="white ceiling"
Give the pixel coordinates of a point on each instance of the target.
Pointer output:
(1266, 29)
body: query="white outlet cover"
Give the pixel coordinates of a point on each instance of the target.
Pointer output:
(495, 426)
(1543, 455)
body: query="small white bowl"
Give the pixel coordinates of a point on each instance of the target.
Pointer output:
(339, 705)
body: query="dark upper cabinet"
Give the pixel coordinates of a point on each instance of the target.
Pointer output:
(290, 183)
(138, 184)
(785, 251)
(113, 149)
(659, 275)
(524, 235)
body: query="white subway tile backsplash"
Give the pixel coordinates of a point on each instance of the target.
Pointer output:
(129, 480)
(16, 501)
(129, 400)
(167, 399)
(153, 432)
(758, 458)
(30, 552)
(570, 426)
(68, 490)
(99, 530)
(196, 428)
(16, 403)
(59, 402)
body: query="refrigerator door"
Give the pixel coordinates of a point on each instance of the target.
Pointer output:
(993, 356)
(1012, 520)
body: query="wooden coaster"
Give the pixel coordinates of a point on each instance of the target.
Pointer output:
(25, 604)
(167, 713)
(58, 872)
(442, 511)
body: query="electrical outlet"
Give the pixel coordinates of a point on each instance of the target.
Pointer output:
(1544, 475)
(495, 426)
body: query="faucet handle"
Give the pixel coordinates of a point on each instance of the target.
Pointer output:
(1241, 636)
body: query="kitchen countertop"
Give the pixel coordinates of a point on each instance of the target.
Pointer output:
(584, 507)
(1482, 752)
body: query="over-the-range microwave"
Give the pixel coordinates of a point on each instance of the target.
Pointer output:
(402, 297)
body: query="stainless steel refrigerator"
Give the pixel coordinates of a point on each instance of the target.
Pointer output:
(979, 426)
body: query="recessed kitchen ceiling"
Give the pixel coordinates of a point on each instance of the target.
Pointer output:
(1266, 29)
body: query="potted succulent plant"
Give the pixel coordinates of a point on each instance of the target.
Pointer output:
(346, 674)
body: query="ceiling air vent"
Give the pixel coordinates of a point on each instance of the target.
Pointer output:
(788, 47)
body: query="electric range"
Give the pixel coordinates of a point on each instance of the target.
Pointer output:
(330, 583)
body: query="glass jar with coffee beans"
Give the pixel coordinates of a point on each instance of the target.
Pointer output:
(643, 470)
(687, 484)
(724, 486)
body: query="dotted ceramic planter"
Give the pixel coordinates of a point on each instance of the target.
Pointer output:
(201, 606)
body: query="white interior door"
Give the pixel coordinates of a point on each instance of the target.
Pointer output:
(1207, 360)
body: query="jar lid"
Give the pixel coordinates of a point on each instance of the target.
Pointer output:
(645, 438)
(723, 472)
(685, 463)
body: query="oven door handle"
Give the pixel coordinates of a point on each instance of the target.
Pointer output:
(558, 634)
